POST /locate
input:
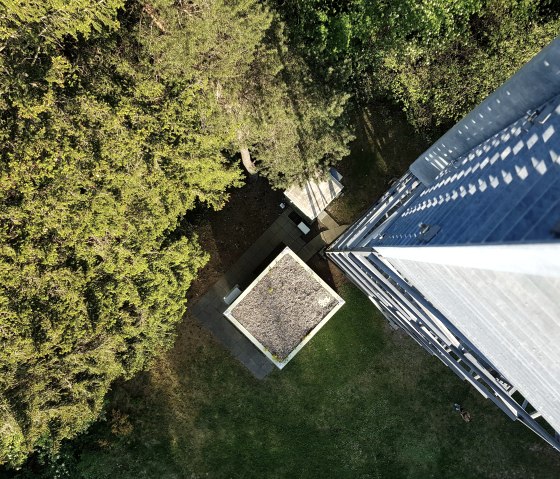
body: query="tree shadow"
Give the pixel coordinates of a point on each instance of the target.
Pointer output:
(385, 146)
(226, 234)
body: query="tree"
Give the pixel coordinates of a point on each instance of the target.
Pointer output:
(295, 127)
(439, 83)
(100, 160)
(436, 59)
(284, 125)
(114, 123)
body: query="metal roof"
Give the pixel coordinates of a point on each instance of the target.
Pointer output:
(463, 252)
(512, 318)
(507, 189)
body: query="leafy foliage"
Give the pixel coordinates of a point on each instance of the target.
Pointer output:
(115, 121)
(101, 158)
(117, 118)
(296, 125)
(439, 85)
(436, 58)
(262, 92)
(43, 23)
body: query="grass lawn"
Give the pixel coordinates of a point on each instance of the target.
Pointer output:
(359, 401)
(384, 148)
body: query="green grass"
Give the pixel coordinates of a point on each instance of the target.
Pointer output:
(359, 401)
(384, 148)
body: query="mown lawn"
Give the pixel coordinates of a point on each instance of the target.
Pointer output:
(359, 401)
(384, 148)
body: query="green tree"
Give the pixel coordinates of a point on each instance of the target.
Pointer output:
(100, 160)
(284, 125)
(114, 123)
(47, 22)
(435, 58)
(439, 83)
(294, 126)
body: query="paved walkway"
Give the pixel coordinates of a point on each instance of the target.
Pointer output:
(209, 308)
(209, 311)
(324, 238)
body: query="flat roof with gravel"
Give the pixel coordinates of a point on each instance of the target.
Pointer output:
(284, 307)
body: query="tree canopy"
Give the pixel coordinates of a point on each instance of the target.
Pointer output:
(261, 91)
(435, 58)
(115, 120)
(118, 117)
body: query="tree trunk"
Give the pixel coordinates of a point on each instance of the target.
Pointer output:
(153, 15)
(247, 162)
(245, 155)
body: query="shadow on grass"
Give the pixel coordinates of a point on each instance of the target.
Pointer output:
(384, 148)
(360, 400)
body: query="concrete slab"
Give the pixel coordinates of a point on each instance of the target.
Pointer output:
(327, 220)
(330, 235)
(209, 309)
(314, 196)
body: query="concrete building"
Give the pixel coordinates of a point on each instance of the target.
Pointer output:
(313, 197)
(463, 252)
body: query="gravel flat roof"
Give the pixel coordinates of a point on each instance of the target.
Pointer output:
(283, 307)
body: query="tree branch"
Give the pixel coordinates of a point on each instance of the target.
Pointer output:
(151, 12)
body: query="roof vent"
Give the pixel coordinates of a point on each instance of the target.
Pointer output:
(532, 115)
(556, 230)
(427, 232)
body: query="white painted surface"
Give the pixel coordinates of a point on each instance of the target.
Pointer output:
(541, 259)
(304, 228)
(281, 364)
(233, 295)
(314, 196)
(513, 318)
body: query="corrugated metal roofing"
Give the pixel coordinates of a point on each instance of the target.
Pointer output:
(512, 318)
(465, 256)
